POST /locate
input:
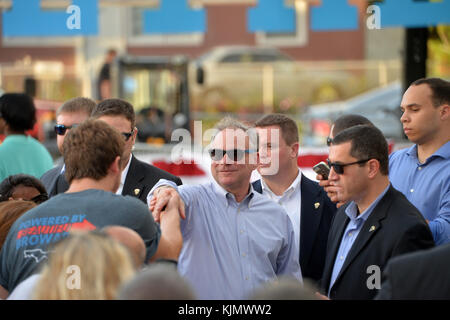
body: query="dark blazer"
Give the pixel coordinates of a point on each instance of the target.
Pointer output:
(317, 212)
(420, 275)
(393, 228)
(54, 181)
(140, 179)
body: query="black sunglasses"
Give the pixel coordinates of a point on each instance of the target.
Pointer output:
(40, 198)
(61, 129)
(233, 154)
(329, 141)
(339, 167)
(127, 135)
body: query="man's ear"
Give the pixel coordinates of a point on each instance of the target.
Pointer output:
(445, 112)
(135, 132)
(115, 166)
(294, 149)
(374, 168)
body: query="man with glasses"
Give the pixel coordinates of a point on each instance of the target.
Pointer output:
(343, 122)
(69, 115)
(376, 223)
(422, 172)
(235, 239)
(137, 177)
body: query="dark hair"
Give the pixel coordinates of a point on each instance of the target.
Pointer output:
(10, 211)
(367, 143)
(18, 110)
(90, 149)
(348, 121)
(79, 104)
(9, 184)
(440, 90)
(289, 129)
(115, 107)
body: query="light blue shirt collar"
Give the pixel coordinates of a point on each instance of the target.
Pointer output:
(228, 197)
(442, 152)
(351, 234)
(352, 209)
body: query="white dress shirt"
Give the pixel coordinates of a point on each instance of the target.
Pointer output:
(290, 200)
(123, 177)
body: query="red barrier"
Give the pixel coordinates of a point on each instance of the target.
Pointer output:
(182, 169)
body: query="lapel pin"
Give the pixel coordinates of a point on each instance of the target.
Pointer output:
(372, 228)
(136, 191)
(316, 205)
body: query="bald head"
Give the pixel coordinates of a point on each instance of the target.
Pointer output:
(130, 239)
(285, 288)
(160, 281)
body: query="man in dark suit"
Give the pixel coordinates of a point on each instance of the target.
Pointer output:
(69, 115)
(376, 223)
(138, 177)
(306, 203)
(420, 275)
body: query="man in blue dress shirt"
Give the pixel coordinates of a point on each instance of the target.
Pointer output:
(422, 172)
(234, 239)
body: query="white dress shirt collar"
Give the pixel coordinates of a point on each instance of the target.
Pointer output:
(124, 176)
(290, 190)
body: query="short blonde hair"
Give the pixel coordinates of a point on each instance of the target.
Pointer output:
(104, 266)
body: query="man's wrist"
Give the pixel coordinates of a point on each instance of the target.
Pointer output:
(159, 189)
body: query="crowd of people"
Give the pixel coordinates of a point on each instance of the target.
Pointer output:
(105, 225)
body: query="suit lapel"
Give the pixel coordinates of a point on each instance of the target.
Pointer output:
(368, 230)
(52, 190)
(133, 181)
(61, 183)
(56, 183)
(334, 240)
(311, 214)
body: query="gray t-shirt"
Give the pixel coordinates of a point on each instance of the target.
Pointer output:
(33, 234)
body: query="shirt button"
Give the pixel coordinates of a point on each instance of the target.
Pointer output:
(419, 168)
(246, 278)
(242, 231)
(243, 254)
(341, 257)
(350, 234)
(412, 190)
